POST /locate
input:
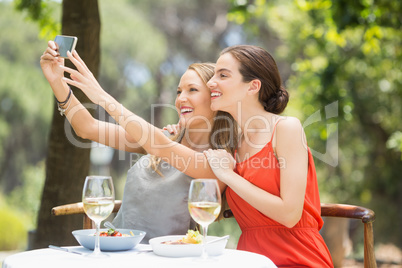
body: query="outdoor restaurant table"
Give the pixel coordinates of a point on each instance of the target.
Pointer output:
(47, 257)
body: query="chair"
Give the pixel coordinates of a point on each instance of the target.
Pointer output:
(78, 208)
(367, 216)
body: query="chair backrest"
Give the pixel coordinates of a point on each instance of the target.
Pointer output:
(78, 208)
(366, 215)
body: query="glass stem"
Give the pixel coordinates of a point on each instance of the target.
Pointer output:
(97, 247)
(204, 241)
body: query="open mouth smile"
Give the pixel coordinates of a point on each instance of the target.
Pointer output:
(186, 110)
(215, 94)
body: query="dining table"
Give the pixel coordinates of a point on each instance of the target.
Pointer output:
(140, 256)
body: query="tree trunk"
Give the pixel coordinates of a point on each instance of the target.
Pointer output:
(68, 162)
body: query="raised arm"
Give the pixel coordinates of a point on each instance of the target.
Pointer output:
(80, 119)
(190, 162)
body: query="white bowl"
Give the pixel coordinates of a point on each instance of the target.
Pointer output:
(86, 238)
(186, 250)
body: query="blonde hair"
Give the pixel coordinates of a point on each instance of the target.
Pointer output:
(224, 133)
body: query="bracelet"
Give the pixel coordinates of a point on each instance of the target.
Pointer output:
(64, 102)
(61, 110)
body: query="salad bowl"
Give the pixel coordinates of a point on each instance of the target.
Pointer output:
(129, 240)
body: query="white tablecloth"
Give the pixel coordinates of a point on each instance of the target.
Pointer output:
(51, 258)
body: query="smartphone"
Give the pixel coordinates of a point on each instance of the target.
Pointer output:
(65, 43)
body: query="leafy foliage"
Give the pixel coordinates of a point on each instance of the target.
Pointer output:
(14, 232)
(25, 100)
(41, 11)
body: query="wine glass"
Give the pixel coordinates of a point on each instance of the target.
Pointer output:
(204, 204)
(98, 200)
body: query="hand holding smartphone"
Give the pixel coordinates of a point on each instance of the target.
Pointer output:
(65, 43)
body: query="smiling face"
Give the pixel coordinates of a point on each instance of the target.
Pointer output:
(251, 76)
(227, 85)
(193, 100)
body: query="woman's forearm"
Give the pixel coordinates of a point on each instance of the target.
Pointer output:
(87, 127)
(147, 135)
(78, 116)
(268, 204)
(188, 161)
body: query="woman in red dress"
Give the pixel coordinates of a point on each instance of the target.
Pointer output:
(272, 189)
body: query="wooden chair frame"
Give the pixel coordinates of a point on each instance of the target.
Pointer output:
(366, 215)
(78, 208)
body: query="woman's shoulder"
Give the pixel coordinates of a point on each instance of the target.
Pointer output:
(289, 127)
(291, 138)
(288, 123)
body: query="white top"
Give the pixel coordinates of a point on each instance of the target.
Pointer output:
(50, 258)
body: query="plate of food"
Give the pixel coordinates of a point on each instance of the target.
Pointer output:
(189, 245)
(109, 239)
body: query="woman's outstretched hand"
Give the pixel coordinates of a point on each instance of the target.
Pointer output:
(83, 78)
(221, 162)
(50, 63)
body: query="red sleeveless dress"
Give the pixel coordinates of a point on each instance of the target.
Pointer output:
(300, 246)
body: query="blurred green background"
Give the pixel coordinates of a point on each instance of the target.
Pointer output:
(340, 61)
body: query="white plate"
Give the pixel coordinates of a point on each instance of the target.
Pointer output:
(86, 239)
(187, 250)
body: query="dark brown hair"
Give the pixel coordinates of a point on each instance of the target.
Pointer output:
(257, 63)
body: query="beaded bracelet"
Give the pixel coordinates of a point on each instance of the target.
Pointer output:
(61, 110)
(64, 102)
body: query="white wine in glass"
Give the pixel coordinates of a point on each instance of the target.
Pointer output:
(98, 201)
(204, 204)
(204, 213)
